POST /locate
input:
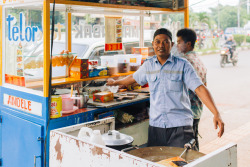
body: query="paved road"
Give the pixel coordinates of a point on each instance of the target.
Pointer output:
(230, 87)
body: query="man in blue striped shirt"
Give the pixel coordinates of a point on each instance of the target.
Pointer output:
(169, 78)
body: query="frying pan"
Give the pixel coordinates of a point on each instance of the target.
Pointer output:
(159, 153)
(178, 161)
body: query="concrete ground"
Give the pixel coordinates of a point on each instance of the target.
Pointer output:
(230, 87)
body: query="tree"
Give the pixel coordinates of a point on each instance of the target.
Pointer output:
(199, 18)
(229, 15)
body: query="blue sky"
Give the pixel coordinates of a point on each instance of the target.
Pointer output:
(204, 5)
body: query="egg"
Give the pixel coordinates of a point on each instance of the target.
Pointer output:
(33, 64)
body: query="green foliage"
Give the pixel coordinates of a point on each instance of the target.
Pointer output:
(199, 18)
(228, 16)
(215, 42)
(177, 17)
(248, 39)
(239, 39)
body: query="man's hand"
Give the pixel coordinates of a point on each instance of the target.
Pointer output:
(111, 82)
(207, 99)
(124, 81)
(218, 122)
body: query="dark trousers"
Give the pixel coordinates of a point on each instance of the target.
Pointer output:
(195, 129)
(231, 53)
(174, 137)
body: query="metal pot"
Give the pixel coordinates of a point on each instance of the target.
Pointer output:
(159, 153)
(117, 140)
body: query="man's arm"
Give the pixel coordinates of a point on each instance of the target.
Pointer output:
(125, 81)
(205, 96)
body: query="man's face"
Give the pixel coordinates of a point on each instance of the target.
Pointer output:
(162, 45)
(181, 45)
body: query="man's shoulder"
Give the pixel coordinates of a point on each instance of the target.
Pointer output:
(149, 60)
(178, 59)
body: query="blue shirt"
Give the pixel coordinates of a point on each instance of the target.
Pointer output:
(168, 85)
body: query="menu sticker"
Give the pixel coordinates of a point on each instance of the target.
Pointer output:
(19, 60)
(113, 33)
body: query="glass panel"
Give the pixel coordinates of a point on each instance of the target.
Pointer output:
(23, 35)
(60, 56)
(173, 22)
(88, 35)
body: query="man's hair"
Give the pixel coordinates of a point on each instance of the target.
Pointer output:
(163, 31)
(188, 35)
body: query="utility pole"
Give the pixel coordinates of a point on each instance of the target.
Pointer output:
(218, 15)
(248, 6)
(239, 15)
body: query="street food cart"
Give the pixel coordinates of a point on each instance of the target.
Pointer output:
(67, 149)
(29, 73)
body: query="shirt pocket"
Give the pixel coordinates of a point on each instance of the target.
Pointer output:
(175, 83)
(153, 81)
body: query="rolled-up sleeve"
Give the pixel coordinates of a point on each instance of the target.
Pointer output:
(140, 75)
(190, 78)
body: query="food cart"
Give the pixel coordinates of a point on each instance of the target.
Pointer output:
(26, 84)
(67, 149)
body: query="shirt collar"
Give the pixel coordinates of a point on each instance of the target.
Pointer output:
(170, 59)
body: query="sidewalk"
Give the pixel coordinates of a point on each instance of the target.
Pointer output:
(234, 133)
(229, 87)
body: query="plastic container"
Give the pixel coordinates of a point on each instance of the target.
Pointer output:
(67, 102)
(85, 133)
(123, 63)
(135, 61)
(96, 137)
(111, 63)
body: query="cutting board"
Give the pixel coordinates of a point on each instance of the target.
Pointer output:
(142, 90)
(125, 96)
(116, 103)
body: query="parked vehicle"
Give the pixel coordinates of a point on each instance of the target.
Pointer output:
(91, 49)
(225, 56)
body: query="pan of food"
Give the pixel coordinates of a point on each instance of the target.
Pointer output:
(167, 154)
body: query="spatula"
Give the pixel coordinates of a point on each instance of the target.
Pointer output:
(178, 161)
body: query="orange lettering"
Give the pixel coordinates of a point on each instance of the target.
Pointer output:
(22, 103)
(17, 102)
(25, 102)
(13, 101)
(114, 47)
(29, 105)
(9, 100)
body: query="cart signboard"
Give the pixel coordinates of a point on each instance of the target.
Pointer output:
(25, 105)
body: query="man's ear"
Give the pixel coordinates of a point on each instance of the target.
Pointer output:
(189, 43)
(152, 43)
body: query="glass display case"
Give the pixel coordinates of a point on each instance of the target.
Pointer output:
(23, 35)
(25, 87)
